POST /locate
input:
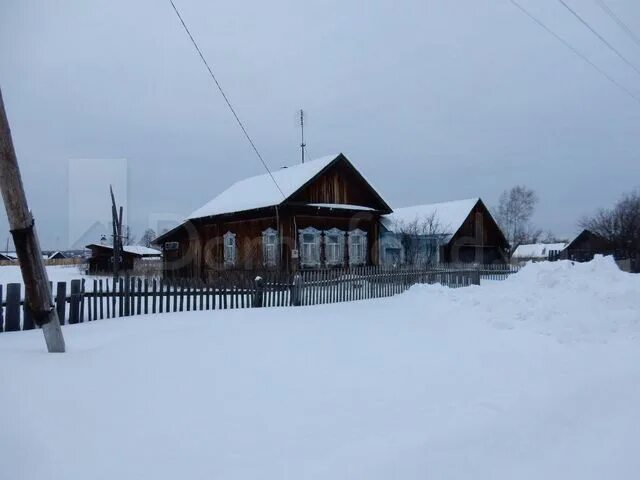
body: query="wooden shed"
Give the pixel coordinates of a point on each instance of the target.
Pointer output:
(319, 214)
(101, 257)
(584, 246)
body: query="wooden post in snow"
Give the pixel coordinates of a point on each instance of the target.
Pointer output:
(21, 223)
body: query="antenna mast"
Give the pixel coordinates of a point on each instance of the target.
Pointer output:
(302, 144)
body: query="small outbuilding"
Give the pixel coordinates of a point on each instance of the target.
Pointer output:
(101, 258)
(585, 246)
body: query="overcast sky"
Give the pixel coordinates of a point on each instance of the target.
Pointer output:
(432, 100)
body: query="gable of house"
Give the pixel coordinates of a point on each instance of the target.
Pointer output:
(330, 180)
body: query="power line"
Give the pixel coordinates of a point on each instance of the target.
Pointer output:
(602, 39)
(226, 99)
(617, 19)
(575, 51)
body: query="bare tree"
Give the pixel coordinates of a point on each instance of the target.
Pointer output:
(147, 237)
(421, 239)
(514, 213)
(550, 237)
(620, 224)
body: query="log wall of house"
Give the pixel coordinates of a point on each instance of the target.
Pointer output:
(201, 250)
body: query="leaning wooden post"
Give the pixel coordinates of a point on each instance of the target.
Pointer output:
(21, 223)
(258, 296)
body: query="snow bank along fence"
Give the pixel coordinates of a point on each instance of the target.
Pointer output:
(95, 299)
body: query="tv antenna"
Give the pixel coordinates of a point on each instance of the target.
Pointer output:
(302, 144)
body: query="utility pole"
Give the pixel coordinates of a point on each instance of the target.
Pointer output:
(302, 144)
(21, 223)
(116, 235)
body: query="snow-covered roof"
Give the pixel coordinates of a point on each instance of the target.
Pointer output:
(449, 215)
(260, 191)
(344, 206)
(133, 249)
(537, 250)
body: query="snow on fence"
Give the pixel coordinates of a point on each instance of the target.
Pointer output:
(96, 299)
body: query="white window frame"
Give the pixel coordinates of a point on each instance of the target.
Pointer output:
(312, 258)
(229, 249)
(357, 258)
(267, 260)
(334, 232)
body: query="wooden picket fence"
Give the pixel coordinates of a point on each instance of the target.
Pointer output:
(96, 299)
(486, 271)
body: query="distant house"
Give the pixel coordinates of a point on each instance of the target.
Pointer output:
(322, 213)
(7, 257)
(584, 246)
(56, 256)
(101, 258)
(458, 231)
(537, 252)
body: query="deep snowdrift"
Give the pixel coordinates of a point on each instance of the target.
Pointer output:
(534, 377)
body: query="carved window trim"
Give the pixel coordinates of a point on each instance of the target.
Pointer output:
(330, 247)
(357, 240)
(229, 249)
(309, 251)
(270, 250)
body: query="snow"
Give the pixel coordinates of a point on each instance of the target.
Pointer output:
(135, 249)
(537, 250)
(56, 273)
(534, 377)
(260, 191)
(450, 215)
(345, 206)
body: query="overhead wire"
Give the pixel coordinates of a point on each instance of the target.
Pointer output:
(226, 99)
(575, 51)
(619, 21)
(600, 37)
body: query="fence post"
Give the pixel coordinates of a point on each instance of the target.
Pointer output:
(12, 322)
(61, 300)
(74, 303)
(258, 294)
(296, 290)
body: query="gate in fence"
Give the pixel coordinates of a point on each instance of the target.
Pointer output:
(96, 299)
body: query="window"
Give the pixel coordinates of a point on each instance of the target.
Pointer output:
(170, 246)
(229, 249)
(334, 247)
(309, 239)
(270, 247)
(357, 247)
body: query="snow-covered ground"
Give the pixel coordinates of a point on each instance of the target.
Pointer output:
(534, 377)
(56, 273)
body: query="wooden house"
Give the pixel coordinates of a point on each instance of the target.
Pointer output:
(101, 257)
(585, 246)
(322, 213)
(462, 231)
